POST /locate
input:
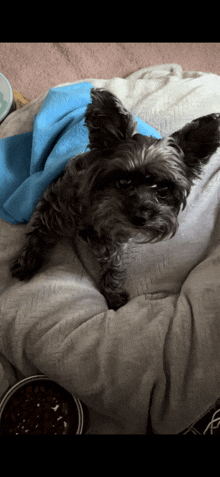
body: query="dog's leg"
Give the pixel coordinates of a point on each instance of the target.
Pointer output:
(113, 273)
(46, 225)
(32, 255)
(38, 241)
(112, 287)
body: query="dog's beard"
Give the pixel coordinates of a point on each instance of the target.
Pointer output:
(164, 225)
(111, 222)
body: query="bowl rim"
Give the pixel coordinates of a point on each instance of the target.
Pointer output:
(7, 109)
(38, 377)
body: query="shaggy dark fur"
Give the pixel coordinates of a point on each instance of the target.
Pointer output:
(125, 185)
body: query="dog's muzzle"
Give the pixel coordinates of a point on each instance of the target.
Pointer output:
(143, 215)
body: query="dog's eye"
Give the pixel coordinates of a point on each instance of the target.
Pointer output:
(163, 192)
(123, 183)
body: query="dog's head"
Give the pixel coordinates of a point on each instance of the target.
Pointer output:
(134, 183)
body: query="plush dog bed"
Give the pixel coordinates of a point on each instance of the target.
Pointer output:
(155, 363)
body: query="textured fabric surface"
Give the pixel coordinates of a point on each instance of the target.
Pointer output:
(156, 361)
(33, 68)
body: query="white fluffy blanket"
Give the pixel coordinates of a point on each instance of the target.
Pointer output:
(156, 361)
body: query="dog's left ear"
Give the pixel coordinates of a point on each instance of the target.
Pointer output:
(198, 141)
(107, 120)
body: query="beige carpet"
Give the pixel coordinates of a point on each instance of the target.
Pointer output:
(32, 68)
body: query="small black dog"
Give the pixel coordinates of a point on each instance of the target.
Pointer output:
(125, 185)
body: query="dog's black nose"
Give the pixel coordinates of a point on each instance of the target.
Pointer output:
(138, 221)
(141, 217)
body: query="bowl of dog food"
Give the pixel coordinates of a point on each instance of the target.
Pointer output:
(7, 103)
(38, 405)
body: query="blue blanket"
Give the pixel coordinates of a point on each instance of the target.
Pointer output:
(29, 162)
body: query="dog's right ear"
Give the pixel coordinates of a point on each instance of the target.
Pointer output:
(198, 141)
(107, 120)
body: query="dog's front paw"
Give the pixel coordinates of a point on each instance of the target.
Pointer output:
(24, 269)
(116, 300)
(18, 270)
